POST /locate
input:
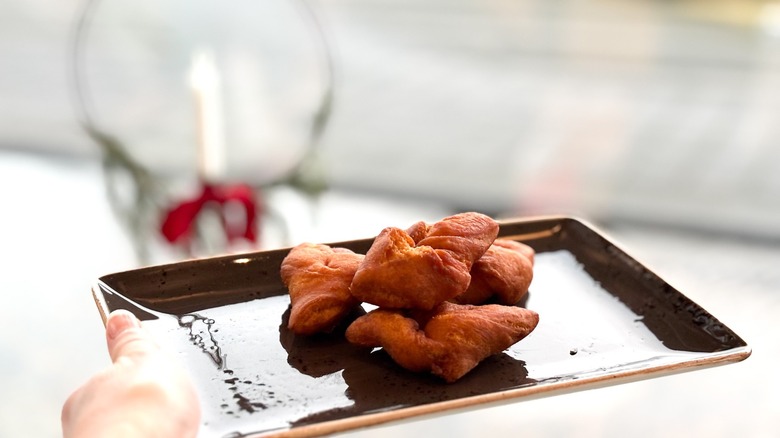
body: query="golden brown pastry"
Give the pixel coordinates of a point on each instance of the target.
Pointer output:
(318, 279)
(449, 341)
(503, 273)
(418, 231)
(401, 271)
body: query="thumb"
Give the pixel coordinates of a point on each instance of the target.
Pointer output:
(126, 338)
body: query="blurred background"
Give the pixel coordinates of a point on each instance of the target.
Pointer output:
(655, 120)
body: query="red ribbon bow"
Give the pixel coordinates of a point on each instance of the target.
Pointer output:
(179, 223)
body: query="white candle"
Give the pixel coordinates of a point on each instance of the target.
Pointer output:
(205, 82)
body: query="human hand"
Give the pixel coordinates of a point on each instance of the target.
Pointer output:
(144, 393)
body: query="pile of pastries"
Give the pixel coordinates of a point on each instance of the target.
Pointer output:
(445, 293)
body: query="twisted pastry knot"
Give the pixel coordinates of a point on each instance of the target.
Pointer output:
(318, 278)
(448, 341)
(425, 265)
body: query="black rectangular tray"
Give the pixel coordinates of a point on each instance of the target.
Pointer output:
(604, 319)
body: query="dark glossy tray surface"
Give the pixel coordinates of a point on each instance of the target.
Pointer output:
(604, 317)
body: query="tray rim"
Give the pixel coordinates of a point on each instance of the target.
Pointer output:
(485, 401)
(702, 361)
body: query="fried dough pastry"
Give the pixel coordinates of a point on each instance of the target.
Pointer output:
(426, 268)
(504, 273)
(318, 278)
(418, 231)
(448, 341)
